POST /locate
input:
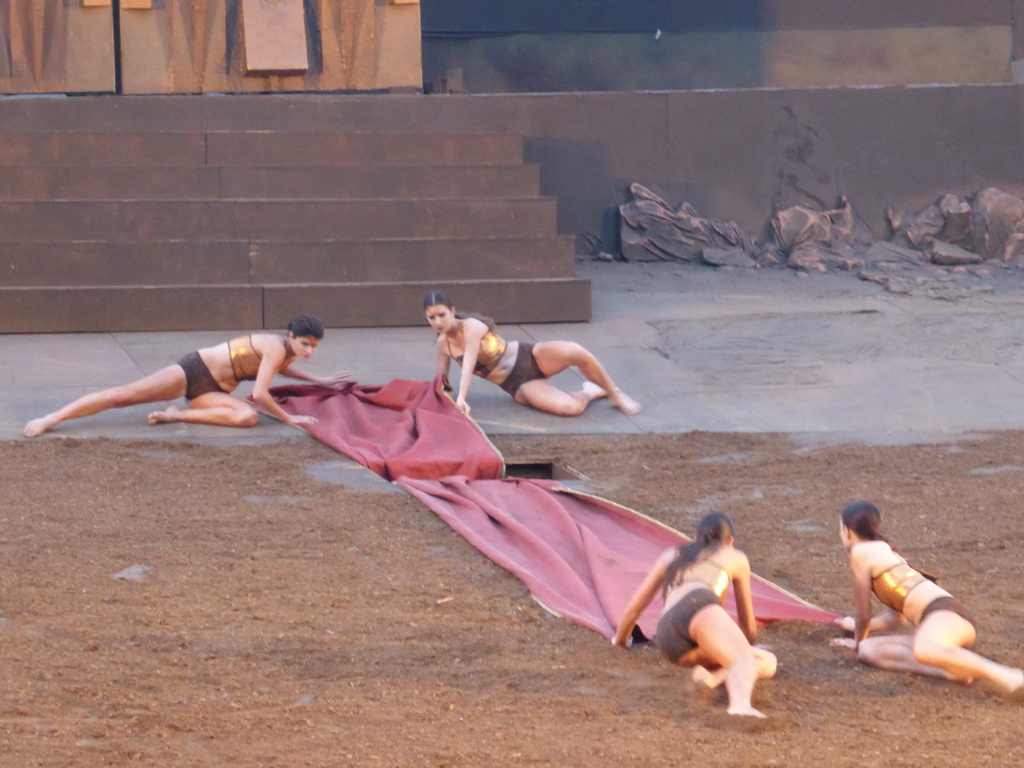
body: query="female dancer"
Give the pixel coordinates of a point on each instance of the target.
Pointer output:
(207, 376)
(520, 368)
(694, 629)
(944, 629)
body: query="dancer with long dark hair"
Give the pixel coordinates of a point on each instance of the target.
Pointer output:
(943, 628)
(520, 368)
(694, 629)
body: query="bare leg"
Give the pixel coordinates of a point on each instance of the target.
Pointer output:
(166, 384)
(545, 396)
(896, 653)
(720, 639)
(942, 640)
(216, 408)
(706, 677)
(766, 665)
(555, 356)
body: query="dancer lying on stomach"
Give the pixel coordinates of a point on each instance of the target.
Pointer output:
(206, 378)
(520, 368)
(944, 629)
(694, 629)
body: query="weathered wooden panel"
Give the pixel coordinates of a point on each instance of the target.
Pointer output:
(199, 46)
(274, 32)
(52, 46)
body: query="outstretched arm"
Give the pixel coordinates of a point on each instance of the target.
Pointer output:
(744, 600)
(473, 332)
(272, 362)
(641, 599)
(880, 622)
(334, 380)
(861, 568)
(444, 360)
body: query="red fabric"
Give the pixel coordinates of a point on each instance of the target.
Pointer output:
(581, 556)
(400, 429)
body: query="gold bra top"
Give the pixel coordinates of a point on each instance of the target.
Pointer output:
(893, 585)
(707, 572)
(245, 360)
(492, 348)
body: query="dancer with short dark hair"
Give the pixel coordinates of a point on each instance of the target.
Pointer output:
(206, 377)
(944, 629)
(694, 629)
(520, 368)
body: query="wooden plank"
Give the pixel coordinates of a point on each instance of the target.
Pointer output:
(205, 46)
(274, 35)
(56, 47)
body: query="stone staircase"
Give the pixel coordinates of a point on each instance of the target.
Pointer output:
(144, 230)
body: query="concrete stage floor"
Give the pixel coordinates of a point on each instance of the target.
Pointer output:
(828, 358)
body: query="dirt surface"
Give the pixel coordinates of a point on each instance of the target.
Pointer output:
(173, 604)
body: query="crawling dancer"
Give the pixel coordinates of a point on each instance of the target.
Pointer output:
(944, 628)
(522, 369)
(206, 378)
(694, 629)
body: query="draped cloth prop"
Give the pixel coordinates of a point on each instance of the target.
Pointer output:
(581, 556)
(400, 429)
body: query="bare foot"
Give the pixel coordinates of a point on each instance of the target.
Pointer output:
(36, 427)
(843, 642)
(591, 391)
(1013, 684)
(625, 403)
(845, 623)
(167, 416)
(747, 711)
(702, 677)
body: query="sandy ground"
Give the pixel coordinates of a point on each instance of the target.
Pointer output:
(174, 604)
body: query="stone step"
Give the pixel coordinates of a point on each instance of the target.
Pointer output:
(296, 149)
(238, 262)
(242, 149)
(193, 183)
(414, 260)
(354, 305)
(134, 221)
(226, 307)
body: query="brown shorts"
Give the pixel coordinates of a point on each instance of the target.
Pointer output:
(524, 369)
(673, 633)
(947, 604)
(198, 379)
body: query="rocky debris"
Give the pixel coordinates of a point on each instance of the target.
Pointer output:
(728, 257)
(998, 222)
(941, 250)
(652, 231)
(949, 255)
